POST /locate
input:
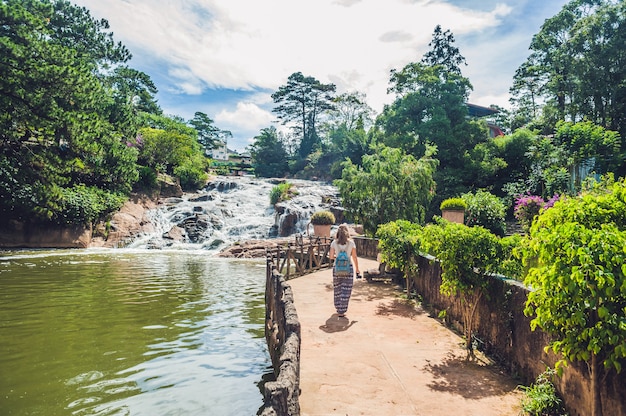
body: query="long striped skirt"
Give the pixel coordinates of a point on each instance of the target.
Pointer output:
(342, 286)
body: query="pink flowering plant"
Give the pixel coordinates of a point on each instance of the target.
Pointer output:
(527, 207)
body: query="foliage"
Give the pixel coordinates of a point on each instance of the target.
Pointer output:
(430, 110)
(512, 149)
(170, 146)
(345, 130)
(576, 253)
(86, 205)
(399, 246)
(269, 154)
(65, 117)
(574, 69)
(453, 204)
(585, 140)
(302, 100)
(351, 111)
(540, 398)
(389, 186)
(510, 264)
(322, 218)
(147, 179)
(209, 136)
(281, 192)
(485, 209)
(443, 52)
(527, 207)
(467, 255)
(192, 172)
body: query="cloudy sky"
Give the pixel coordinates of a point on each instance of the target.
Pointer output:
(226, 57)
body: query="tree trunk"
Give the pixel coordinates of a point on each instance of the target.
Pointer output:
(596, 399)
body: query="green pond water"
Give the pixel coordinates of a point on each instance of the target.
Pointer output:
(121, 332)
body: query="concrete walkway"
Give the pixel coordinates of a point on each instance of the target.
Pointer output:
(387, 357)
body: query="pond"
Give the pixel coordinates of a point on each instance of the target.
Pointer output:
(131, 332)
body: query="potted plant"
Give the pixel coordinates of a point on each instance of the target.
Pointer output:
(453, 210)
(322, 221)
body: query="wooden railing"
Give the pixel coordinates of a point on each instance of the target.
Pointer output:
(282, 333)
(303, 255)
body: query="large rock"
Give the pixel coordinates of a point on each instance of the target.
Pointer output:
(253, 248)
(169, 187)
(125, 225)
(23, 235)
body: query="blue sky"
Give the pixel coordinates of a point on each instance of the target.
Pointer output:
(226, 57)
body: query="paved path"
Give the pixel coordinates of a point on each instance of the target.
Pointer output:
(387, 357)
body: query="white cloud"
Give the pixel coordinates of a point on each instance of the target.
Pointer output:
(246, 116)
(243, 44)
(251, 45)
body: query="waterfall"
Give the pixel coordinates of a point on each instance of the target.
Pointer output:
(232, 209)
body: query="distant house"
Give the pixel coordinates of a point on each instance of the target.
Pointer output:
(478, 111)
(246, 158)
(220, 152)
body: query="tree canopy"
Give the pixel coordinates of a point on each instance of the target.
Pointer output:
(303, 100)
(576, 254)
(269, 154)
(577, 67)
(390, 185)
(61, 121)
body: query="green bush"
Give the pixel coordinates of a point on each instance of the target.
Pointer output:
(281, 192)
(453, 204)
(86, 205)
(540, 398)
(486, 209)
(191, 176)
(147, 179)
(323, 218)
(511, 265)
(399, 244)
(466, 255)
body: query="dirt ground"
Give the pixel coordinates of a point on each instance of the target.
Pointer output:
(388, 357)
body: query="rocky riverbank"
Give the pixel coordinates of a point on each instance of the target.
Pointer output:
(229, 211)
(253, 248)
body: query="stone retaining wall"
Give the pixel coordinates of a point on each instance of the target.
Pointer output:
(501, 328)
(366, 247)
(503, 332)
(282, 333)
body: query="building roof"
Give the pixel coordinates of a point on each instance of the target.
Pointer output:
(479, 111)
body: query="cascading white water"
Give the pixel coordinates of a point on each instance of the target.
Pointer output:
(232, 209)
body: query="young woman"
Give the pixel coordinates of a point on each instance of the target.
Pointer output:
(342, 278)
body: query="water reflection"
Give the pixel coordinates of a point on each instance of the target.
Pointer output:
(141, 333)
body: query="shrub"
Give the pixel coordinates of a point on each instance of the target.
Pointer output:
(453, 204)
(191, 176)
(281, 192)
(486, 209)
(527, 207)
(466, 255)
(86, 205)
(399, 246)
(322, 218)
(540, 398)
(147, 179)
(511, 265)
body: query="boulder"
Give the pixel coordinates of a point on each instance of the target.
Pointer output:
(253, 248)
(126, 224)
(24, 235)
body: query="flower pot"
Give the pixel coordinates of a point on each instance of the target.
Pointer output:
(320, 230)
(454, 215)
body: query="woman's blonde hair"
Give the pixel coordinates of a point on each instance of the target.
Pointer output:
(343, 234)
